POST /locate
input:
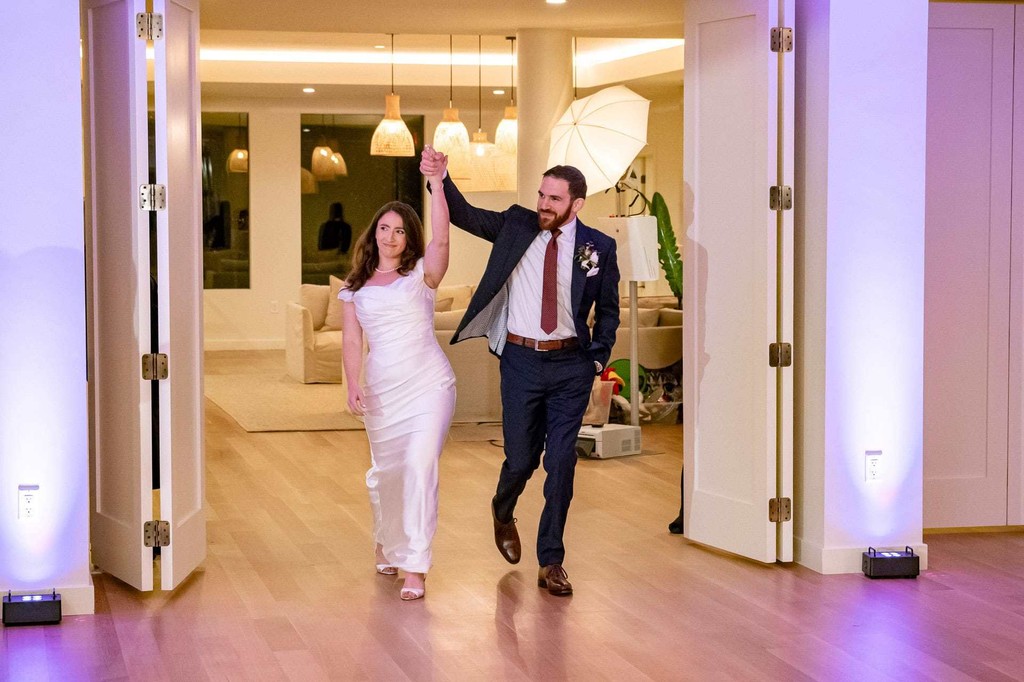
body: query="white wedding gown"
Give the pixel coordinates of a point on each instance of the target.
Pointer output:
(409, 399)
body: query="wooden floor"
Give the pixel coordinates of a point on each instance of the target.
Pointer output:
(288, 590)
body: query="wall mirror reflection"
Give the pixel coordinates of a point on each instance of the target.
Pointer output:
(225, 200)
(343, 186)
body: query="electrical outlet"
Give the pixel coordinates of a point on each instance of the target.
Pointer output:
(28, 502)
(274, 308)
(872, 465)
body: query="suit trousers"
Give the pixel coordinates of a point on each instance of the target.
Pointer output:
(544, 395)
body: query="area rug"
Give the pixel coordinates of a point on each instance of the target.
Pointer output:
(272, 402)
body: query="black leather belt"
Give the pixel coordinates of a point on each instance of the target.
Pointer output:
(553, 344)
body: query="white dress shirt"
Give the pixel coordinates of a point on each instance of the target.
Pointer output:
(527, 281)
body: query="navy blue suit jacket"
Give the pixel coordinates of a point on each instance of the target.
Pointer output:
(511, 232)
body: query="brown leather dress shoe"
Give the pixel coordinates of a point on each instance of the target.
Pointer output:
(555, 580)
(506, 537)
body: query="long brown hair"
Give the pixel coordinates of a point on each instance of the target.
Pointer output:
(367, 256)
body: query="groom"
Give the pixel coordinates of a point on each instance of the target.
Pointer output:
(545, 273)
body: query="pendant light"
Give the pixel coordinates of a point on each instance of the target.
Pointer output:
(491, 170)
(321, 165)
(506, 137)
(392, 136)
(337, 160)
(451, 136)
(238, 159)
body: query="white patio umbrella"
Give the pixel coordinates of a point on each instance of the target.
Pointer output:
(601, 135)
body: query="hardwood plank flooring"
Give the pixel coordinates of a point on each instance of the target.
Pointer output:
(288, 591)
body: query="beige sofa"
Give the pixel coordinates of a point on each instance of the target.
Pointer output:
(313, 347)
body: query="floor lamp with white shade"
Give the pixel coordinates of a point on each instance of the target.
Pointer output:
(636, 239)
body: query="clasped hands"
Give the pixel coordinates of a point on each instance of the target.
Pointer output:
(433, 165)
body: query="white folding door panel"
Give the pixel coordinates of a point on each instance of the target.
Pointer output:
(735, 456)
(179, 250)
(115, 75)
(967, 264)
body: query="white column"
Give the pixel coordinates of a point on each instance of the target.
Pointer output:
(44, 437)
(544, 93)
(859, 214)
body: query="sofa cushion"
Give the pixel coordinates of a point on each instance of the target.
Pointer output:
(332, 320)
(461, 293)
(670, 317)
(645, 317)
(448, 320)
(314, 298)
(442, 305)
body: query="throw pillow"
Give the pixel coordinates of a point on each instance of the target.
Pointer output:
(448, 320)
(443, 305)
(333, 320)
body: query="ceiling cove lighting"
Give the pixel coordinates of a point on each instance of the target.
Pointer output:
(451, 136)
(506, 137)
(392, 136)
(309, 90)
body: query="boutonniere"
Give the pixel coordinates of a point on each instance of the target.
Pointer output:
(587, 257)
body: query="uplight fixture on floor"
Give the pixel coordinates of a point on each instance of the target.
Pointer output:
(451, 136)
(31, 609)
(392, 136)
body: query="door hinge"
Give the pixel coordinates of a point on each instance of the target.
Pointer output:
(149, 26)
(154, 366)
(780, 509)
(780, 354)
(152, 197)
(156, 533)
(782, 39)
(780, 197)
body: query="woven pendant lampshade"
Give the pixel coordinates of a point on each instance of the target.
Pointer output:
(320, 163)
(238, 161)
(489, 167)
(307, 183)
(392, 136)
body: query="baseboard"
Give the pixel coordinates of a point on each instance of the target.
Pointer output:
(838, 560)
(243, 344)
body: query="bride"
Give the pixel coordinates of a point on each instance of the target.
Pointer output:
(408, 393)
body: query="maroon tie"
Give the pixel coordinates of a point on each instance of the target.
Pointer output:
(549, 293)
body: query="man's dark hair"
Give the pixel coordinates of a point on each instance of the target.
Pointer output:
(572, 175)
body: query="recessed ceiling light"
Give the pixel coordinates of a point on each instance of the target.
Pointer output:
(499, 91)
(379, 47)
(305, 130)
(556, 2)
(308, 90)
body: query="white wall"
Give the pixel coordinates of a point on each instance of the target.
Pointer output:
(860, 257)
(43, 406)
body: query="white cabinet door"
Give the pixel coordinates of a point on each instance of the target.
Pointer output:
(967, 264)
(738, 284)
(120, 306)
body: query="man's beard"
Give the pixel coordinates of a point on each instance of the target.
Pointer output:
(549, 221)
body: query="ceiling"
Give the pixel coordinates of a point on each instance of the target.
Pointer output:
(421, 32)
(657, 19)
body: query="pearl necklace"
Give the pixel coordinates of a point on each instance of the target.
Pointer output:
(384, 272)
